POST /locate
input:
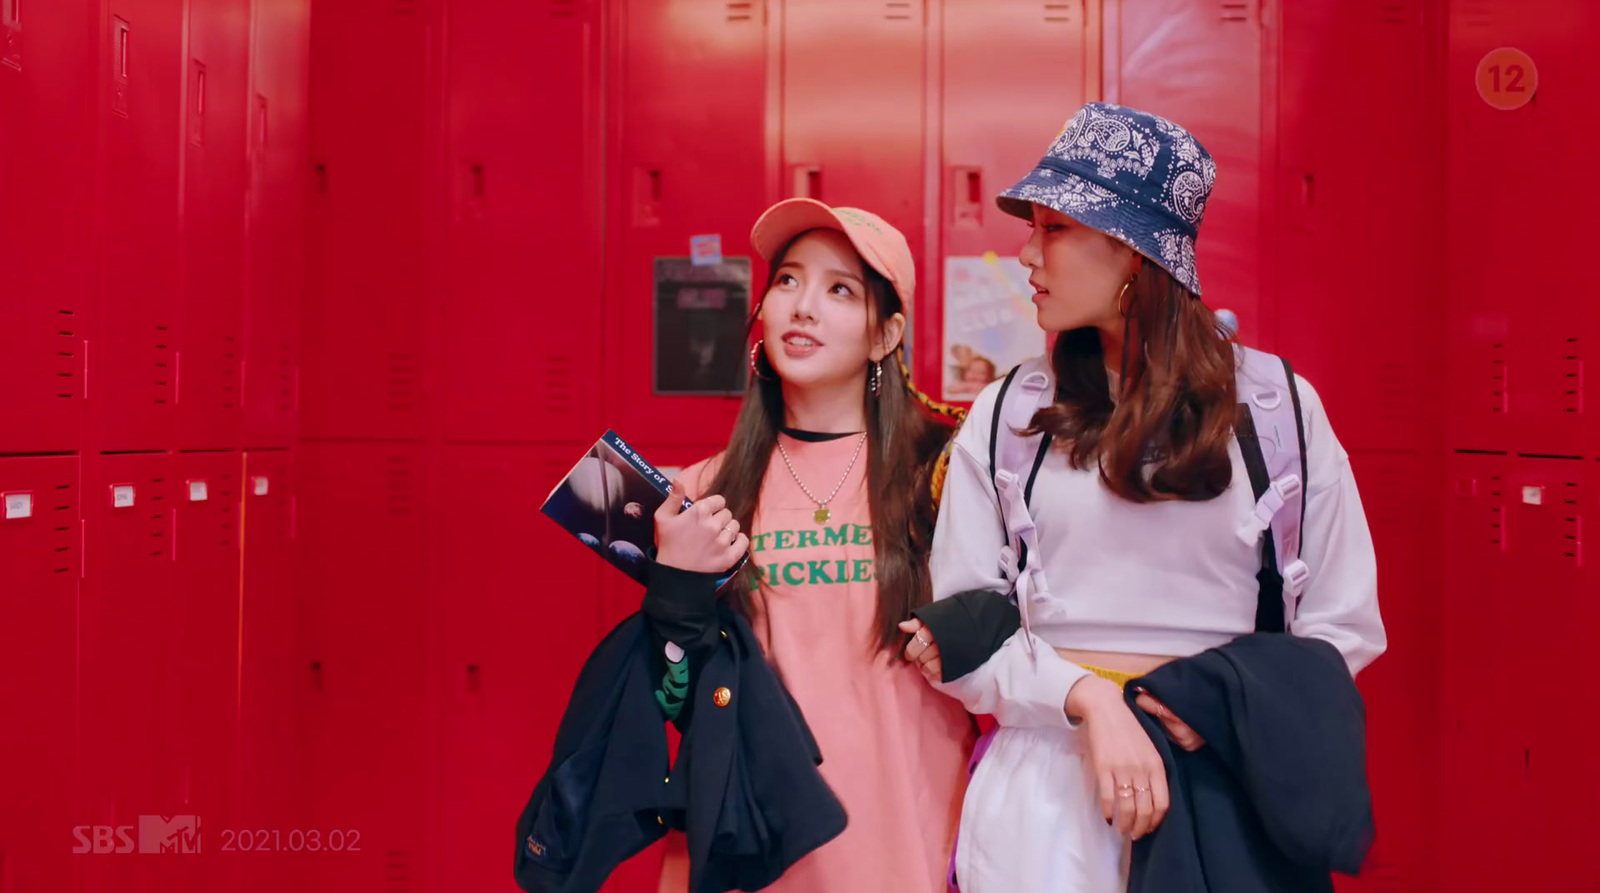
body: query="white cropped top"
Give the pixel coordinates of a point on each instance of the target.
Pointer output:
(1170, 579)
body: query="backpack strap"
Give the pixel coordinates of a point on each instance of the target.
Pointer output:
(1027, 388)
(1276, 461)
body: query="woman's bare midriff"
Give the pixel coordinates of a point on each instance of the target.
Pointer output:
(1137, 664)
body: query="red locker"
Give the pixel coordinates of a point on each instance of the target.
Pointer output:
(1048, 62)
(1354, 231)
(40, 545)
(1547, 632)
(205, 660)
(46, 195)
(518, 334)
(216, 83)
(272, 672)
(125, 648)
(367, 314)
(853, 113)
(1202, 65)
(276, 228)
(1496, 205)
(1481, 676)
(505, 621)
(362, 575)
(134, 361)
(1399, 492)
(691, 160)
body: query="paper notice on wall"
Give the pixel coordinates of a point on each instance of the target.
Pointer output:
(989, 322)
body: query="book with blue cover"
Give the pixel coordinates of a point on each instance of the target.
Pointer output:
(608, 501)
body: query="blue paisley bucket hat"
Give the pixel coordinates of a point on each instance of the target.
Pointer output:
(1134, 176)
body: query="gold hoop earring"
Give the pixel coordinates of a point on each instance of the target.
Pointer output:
(757, 354)
(1122, 296)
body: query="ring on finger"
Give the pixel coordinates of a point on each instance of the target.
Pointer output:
(919, 638)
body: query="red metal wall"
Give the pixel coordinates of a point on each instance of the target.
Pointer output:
(339, 289)
(151, 235)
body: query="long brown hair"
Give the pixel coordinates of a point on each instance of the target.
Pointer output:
(902, 444)
(1165, 436)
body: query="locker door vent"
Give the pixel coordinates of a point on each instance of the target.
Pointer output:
(397, 871)
(560, 384)
(741, 11)
(1497, 514)
(1473, 15)
(166, 371)
(226, 497)
(406, 7)
(1499, 387)
(1572, 377)
(402, 382)
(158, 521)
(563, 9)
(1397, 401)
(230, 374)
(897, 10)
(401, 490)
(1058, 11)
(1235, 11)
(68, 364)
(1572, 523)
(286, 378)
(1393, 501)
(1400, 13)
(62, 517)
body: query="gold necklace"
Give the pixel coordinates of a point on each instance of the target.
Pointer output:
(821, 514)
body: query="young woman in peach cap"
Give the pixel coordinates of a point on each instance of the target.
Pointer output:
(829, 448)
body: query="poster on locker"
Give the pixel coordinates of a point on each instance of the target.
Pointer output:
(989, 322)
(701, 313)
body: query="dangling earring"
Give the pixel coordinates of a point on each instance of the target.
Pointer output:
(757, 353)
(877, 378)
(1122, 297)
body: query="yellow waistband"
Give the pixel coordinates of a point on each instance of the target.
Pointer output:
(1120, 678)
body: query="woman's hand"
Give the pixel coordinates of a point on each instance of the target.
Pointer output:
(921, 650)
(1128, 770)
(1177, 729)
(704, 538)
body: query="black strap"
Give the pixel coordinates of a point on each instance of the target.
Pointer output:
(1300, 432)
(1269, 595)
(1038, 460)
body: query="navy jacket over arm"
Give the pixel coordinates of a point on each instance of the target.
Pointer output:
(1277, 799)
(745, 788)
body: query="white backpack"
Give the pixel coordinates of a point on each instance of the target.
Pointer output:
(1271, 435)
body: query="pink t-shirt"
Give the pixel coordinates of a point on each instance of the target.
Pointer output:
(894, 751)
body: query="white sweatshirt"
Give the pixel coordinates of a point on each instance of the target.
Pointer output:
(1169, 578)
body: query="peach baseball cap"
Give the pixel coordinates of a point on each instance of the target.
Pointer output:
(879, 244)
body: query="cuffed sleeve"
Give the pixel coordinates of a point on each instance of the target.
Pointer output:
(1340, 601)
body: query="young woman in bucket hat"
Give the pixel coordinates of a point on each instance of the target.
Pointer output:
(1137, 500)
(829, 447)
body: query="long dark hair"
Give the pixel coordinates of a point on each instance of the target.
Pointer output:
(902, 444)
(1166, 435)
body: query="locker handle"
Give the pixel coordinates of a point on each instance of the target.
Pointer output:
(806, 180)
(646, 196)
(966, 191)
(473, 679)
(321, 171)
